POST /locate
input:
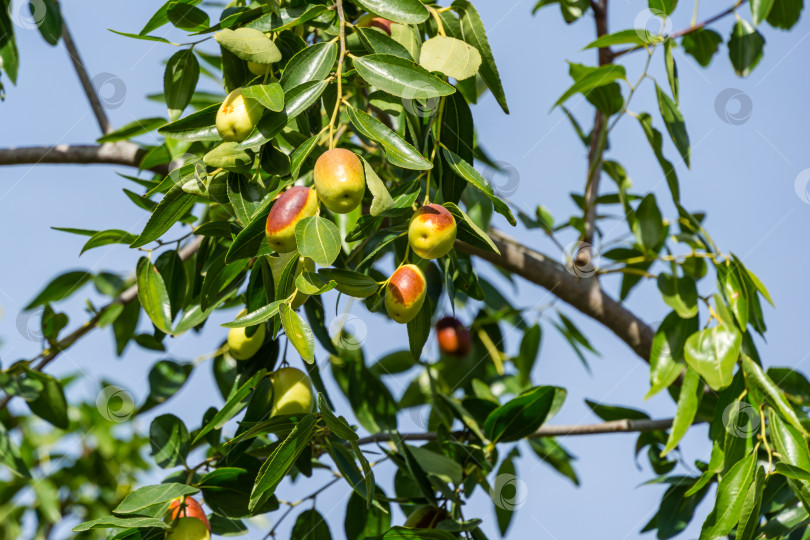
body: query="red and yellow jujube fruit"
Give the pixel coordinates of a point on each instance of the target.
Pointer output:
(189, 507)
(292, 206)
(292, 392)
(370, 21)
(453, 337)
(237, 116)
(339, 180)
(432, 231)
(405, 293)
(240, 345)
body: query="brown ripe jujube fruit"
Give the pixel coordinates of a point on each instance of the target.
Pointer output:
(453, 337)
(292, 206)
(405, 293)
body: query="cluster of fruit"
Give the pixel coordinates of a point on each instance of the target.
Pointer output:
(339, 183)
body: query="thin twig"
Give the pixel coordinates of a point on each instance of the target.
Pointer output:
(84, 78)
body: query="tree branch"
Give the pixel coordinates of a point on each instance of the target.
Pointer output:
(117, 153)
(84, 78)
(130, 294)
(616, 426)
(584, 294)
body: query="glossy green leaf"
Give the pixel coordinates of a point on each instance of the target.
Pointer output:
(169, 440)
(673, 119)
(713, 354)
(153, 295)
(785, 13)
(60, 288)
(311, 64)
(648, 226)
(593, 79)
(271, 95)
(401, 11)
(758, 378)
(688, 401)
(679, 293)
(198, 126)
(731, 494)
(145, 497)
(264, 313)
(249, 44)
(450, 56)
(634, 36)
(319, 239)
(520, 416)
(667, 359)
(745, 47)
(760, 9)
(298, 332)
(400, 77)
(398, 151)
(351, 283)
(381, 200)
(237, 401)
(656, 142)
(701, 45)
(179, 81)
(115, 522)
(111, 236)
(468, 172)
(133, 129)
(174, 205)
(50, 403)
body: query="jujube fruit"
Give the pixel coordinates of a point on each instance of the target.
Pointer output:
(405, 293)
(292, 392)
(453, 337)
(240, 345)
(189, 507)
(188, 528)
(339, 180)
(432, 231)
(292, 206)
(257, 68)
(237, 116)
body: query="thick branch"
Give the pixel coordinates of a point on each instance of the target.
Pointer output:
(584, 294)
(616, 426)
(84, 78)
(118, 153)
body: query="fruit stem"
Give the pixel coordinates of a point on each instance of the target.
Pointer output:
(339, 72)
(438, 19)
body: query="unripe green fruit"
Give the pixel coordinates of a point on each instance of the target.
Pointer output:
(292, 206)
(257, 68)
(242, 346)
(405, 293)
(237, 116)
(432, 231)
(277, 265)
(339, 180)
(292, 392)
(188, 528)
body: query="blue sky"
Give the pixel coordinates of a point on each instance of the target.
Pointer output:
(743, 176)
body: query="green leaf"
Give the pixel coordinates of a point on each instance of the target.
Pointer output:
(312, 284)
(236, 402)
(473, 32)
(550, 451)
(702, 44)
(401, 11)
(319, 239)
(656, 142)
(271, 96)
(760, 9)
(609, 413)
(274, 469)
(398, 151)
(400, 77)
(185, 16)
(750, 514)
(521, 416)
(450, 56)
(298, 332)
(382, 200)
(713, 353)
(249, 44)
(351, 283)
(50, 404)
(600, 76)
(673, 119)
(469, 232)
(625, 37)
(133, 129)
(731, 494)
(754, 375)
(301, 153)
(198, 126)
(175, 204)
(9, 56)
(179, 81)
(679, 293)
(303, 96)
(153, 296)
(338, 425)
(785, 13)
(504, 512)
(667, 354)
(419, 329)
(791, 445)
(115, 522)
(145, 497)
(310, 525)
(111, 236)
(279, 19)
(169, 440)
(49, 23)
(166, 378)
(745, 47)
(377, 41)
(311, 64)
(648, 225)
(672, 69)
(253, 318)
(229, 156)
(468, 172)
(60, 288)
(688, 401)
(10, 455)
